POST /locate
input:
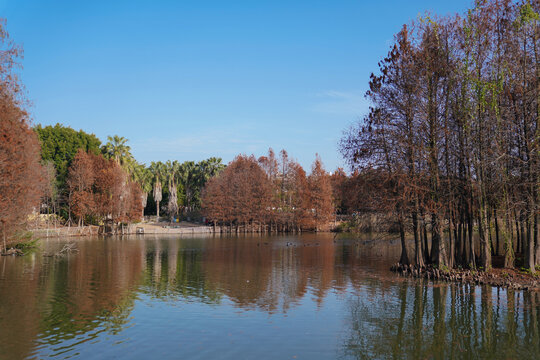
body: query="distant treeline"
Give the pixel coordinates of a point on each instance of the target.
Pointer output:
(90, 184)
(270, 194)
(79, 171)
(451, 145)
(73, 177)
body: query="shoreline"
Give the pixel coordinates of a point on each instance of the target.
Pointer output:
(508, 278)
(496, 277)
(162, 228)
(131, 229)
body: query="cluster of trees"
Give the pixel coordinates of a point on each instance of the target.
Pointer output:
(20, 170)
(175, 187)
(269, 194)
(100, 191)
(172, 187)
(452, 142)
(59, 145)
(351, 192)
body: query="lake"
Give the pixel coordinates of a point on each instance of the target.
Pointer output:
(249, 297)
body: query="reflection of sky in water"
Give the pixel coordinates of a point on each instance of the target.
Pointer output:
(319, 298)
(190, 329)
(195, 330)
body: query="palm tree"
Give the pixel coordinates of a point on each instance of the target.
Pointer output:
(132, 167)
(208, 168)
(157, 196)
(143, 176)
(172, 170)
(158, 171)
(116, 149)
(186, 173)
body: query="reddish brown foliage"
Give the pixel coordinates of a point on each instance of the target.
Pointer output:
(101, 189)
(337, 181)
(269, 191)
(20, 171)
(300, 198)
(320, 193)
(240, 194)
(135, 207)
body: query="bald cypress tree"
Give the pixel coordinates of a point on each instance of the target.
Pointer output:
(20, 170)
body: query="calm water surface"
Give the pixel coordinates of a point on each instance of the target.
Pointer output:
(249, 298)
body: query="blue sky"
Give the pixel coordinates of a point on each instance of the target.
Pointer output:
(187, 80)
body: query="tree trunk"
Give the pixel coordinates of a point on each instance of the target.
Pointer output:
(497, 237)
(404, 260)
(535, 237)
(472, 255)
(426, 244)
(451, 244)
(438, 254)
(530, 247)
(508, 234)
(418, 257)
(485, 252)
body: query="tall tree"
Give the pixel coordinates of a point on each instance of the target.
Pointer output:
(454, 128)
(158, 170)
(20, 170)
(320, 192)
(116, 148)
(81, 178)
(239, 195)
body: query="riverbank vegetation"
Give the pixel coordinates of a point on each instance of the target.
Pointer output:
(270, 194)
(451, 145)
(100, 190)
(77, 162)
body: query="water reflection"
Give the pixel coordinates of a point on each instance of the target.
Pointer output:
(48, 301)
(440, 321)
(341, 297)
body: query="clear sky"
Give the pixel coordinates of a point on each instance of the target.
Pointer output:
(186, 80)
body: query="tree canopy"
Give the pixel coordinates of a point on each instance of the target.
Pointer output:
(269, 192)
(453, 133)
(60, 144)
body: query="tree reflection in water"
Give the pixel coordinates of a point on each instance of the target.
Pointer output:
(301, 292)
(423, 320)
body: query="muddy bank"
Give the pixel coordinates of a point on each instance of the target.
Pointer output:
(506, 278)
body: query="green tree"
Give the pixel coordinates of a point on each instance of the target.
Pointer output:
(143, 176)
(116, 148)
(60, 144)
(172, 168)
